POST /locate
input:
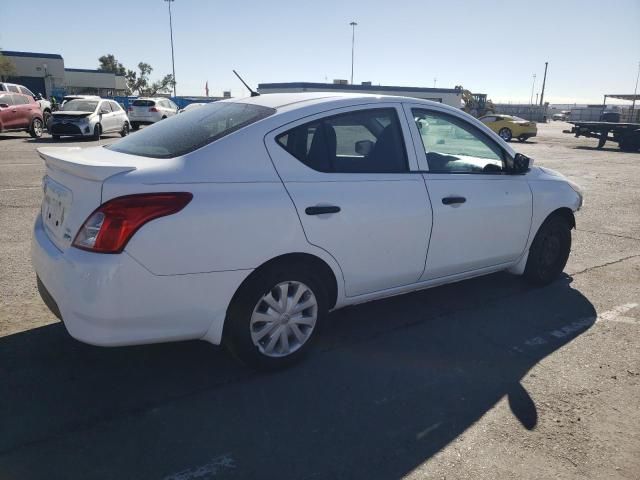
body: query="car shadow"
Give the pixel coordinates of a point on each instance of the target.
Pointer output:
(389, 384)
(603, 149)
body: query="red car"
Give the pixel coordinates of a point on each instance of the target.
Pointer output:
(20, 112)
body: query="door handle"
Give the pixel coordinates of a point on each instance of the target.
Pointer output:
(320, 209)
(453, 200)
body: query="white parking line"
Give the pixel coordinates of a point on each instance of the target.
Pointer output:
(208, 470)
(614, 315)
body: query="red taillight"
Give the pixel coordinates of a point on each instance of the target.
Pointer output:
(109, 228)
(153, 109)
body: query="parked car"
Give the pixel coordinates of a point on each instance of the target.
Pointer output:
(245, 221)
(68, 98)
(89, 118)
(20, 112)
(561, 116)
(508, 127)
(145, 111)
(43, 103)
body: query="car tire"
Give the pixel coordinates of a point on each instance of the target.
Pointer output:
(55, 137)
(135, 126)
(289, 333)
(549, 251)
(125, 129)
(97, 131)
(522, 139)
(36, 128)
(46, 115)
(505, 134)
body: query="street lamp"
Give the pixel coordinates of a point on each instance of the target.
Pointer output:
(532, 87)
(173, 64)
(353, 42)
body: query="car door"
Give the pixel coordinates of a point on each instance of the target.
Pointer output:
(106, 119)
(481, 212)
(8, 114)
(357, 192)
(23, 108)
(119, 117)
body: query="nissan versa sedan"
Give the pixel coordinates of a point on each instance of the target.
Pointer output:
(508, 127)
(245, 221)
(89, 118)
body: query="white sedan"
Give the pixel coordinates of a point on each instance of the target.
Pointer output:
(246, 221)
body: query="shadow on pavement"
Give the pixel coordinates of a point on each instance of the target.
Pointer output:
(603, 149)
(389, 384)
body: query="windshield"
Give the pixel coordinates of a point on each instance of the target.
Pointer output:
(80, 106)
(191, 130)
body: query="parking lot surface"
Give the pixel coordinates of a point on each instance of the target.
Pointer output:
(484, 379)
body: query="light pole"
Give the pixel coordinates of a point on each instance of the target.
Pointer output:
(434, 82)
(635, 92)
(353, 43)
(544, 82)
(532, 87)
(173, 63)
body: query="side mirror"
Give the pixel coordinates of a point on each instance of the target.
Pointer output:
(364, 147)
(4, 105)
(520, 164)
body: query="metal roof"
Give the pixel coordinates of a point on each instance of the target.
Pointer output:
(90, 70)
(355, 88)
(624, 96)
(9, 53)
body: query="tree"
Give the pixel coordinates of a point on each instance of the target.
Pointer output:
(109, 63)
(138, 82)
(7, 68)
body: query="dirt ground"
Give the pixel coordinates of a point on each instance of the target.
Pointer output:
(484, 379)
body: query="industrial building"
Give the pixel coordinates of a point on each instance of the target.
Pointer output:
(448, 96)
(46, 73)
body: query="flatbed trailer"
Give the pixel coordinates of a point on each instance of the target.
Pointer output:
(626, 135)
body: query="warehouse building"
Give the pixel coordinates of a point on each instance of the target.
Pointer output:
(448, 96)
(46, 73)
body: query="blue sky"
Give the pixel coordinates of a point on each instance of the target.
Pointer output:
(493, 46)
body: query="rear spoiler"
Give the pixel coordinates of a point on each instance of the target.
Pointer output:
(73, 161)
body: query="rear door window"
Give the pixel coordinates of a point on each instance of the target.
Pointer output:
(20, 100)
(363, 141)
(191, 130)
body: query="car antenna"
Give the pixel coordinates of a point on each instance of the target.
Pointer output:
(253, 93)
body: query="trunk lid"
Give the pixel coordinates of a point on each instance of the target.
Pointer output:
(73, 186)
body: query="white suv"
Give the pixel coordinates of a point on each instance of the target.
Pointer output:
(145, 111)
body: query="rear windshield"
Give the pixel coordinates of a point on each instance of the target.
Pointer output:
(143, 103)
(80, 106)
(191, 130)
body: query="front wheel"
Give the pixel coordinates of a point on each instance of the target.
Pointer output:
(505, 134)
(125, 129)
(549, 251)
(97, 131)
(35, 130)
(273, 319)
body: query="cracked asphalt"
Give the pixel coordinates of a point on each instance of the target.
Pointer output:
(484, 379)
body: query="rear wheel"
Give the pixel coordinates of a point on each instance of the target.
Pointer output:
(505, 134)
(125, 129)
(273, 319)
(135, 126)
(35, 130)
(522, 138)
(630, 143)
(549, 251)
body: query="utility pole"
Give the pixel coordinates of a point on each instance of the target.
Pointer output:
(533, 85)
(434, 82)
(353, 43)
(544, 82)
(635, 92)
(173, 63)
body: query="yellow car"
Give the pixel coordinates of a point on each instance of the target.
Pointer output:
(509, 127)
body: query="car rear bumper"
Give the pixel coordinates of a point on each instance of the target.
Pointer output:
(112, 300)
